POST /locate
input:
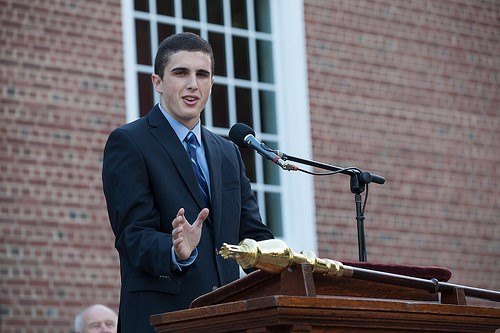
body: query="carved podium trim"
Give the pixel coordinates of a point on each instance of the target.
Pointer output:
(328, 314)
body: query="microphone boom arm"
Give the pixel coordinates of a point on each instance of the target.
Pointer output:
(359, 180)
(366, 176)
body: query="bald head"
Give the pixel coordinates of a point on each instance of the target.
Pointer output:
(96, 318)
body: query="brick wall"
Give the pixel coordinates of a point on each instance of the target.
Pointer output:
(409, 90)
(61, 80)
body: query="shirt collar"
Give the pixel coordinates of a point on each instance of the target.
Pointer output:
(180, 130)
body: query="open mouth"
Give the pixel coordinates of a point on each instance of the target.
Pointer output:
(190, 99)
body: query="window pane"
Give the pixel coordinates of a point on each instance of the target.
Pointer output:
(239, 13)
(248, 157)
(190, 9)
(273, 213)
(145, 93)
(268, 112)
(220, 109)
(216, 40)
(265, 61)
(142, 42)
(241, 59)
(141, 5)
(165, 30)
(262, 15)
(193, 30)
(244, 106)
(165, 7)
(215, 12)
(271, 170)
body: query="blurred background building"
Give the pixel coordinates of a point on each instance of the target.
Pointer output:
(404, 89)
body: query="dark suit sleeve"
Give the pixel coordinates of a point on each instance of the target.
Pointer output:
(134, 219)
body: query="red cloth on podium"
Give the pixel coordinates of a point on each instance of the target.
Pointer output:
(422, 272)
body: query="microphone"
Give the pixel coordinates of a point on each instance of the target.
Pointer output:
(244, 136)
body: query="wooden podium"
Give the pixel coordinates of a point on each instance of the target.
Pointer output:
(298, 301)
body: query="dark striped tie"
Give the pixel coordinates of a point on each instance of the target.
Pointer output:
(192, 144)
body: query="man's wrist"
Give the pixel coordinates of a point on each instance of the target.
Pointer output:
(177, 263)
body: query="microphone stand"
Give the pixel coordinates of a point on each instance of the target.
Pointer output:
(359, 180)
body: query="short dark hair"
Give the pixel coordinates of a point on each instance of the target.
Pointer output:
(184, 41)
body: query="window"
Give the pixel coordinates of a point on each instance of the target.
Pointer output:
(250, 39)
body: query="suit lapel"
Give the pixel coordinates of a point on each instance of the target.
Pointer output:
(214, 165)
(163, 132)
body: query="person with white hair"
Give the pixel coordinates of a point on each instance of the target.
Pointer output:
(96, 318)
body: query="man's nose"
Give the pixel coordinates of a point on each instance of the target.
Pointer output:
(192, 83)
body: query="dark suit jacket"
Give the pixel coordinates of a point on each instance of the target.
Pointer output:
(147, 177)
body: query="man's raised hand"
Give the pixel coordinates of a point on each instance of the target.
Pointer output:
(186, 236)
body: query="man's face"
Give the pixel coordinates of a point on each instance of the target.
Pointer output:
(185, 86)
(99, 320)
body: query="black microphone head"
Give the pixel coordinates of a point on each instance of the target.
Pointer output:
(239, 132)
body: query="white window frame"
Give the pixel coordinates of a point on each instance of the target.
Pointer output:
(290, 61)
(292, 107)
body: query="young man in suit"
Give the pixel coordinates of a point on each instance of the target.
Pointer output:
(174, 197)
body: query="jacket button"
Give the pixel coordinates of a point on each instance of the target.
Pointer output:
(214, 287)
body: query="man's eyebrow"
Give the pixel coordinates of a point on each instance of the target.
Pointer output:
(201, 71)
(178, 69)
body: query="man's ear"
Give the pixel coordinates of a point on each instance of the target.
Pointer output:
(212, 85)
(156, 80)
